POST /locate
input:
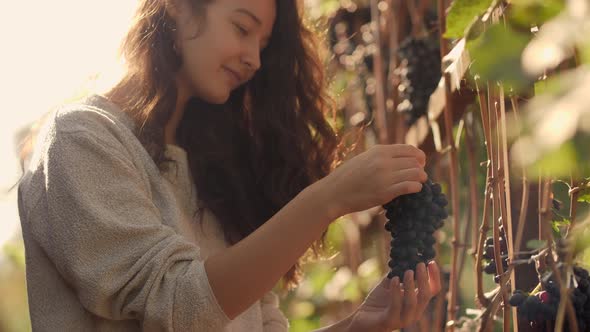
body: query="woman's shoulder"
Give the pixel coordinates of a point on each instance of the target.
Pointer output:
(93, 114)
(90, 132)
(92, 119)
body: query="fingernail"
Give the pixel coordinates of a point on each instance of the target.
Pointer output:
(395, 282)
(409, 275)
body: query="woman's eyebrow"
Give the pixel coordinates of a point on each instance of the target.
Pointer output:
(250, 14)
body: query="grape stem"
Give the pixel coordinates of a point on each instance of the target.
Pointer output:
(536, 290)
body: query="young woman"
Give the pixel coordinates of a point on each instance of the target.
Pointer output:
(177, 199)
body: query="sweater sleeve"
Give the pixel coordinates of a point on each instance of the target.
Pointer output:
(106, 237)
(273, 318)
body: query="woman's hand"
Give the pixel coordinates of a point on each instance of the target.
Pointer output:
(374, 177)
(391, 305)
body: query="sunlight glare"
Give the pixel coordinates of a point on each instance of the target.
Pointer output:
(50, 49)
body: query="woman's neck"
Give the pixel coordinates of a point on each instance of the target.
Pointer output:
(119, 96)
(182, 98)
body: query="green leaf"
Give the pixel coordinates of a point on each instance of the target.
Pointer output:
(556, 225)
(527, 13)
(302, 309)
(550, 86)
(584, 195)
(562, 222)
(556, 231)
(497, 56)
(556, 162)
(536, 244)
(335, 235)
(327, 7)
(303, 325)
(461, 15)
(351, 291)
(319, 276)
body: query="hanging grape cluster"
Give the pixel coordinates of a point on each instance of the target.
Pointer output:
(353, 45)
(541, 307)
(349, 36)
(419, 72)
(352, 40)
(488, 254)
(412, 221)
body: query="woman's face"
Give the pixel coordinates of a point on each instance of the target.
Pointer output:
(226, 50)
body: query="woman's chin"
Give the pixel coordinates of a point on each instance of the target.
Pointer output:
(217, 97)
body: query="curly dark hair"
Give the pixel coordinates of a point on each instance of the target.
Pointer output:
(252, 155)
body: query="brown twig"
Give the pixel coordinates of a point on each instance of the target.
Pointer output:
(380, 117)
(442, 25)
(448, 118)
(522, 217)
(565, 304)
(573, 200)
(464, 246)
(504, 191)
(498, 213)
(497, 162)
(416, 16)
(541, 231)
(491, 310)
(473, 199)
(525, 193)
(468, 221)
(392, 21)
(483, 301)
(439, 307)
(480, 296)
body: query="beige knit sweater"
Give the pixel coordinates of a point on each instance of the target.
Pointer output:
(110, 241)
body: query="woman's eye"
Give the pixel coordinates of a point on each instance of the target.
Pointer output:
(241, 30)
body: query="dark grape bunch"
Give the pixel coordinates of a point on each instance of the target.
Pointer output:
(412, 221)
(542, 307)
(419, 72)
(488, 254)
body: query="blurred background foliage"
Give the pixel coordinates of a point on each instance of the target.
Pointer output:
(540, 46)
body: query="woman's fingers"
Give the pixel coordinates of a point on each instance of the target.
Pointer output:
(395, 308)
(428, 285)
(405, 163)
(409, 301)
(424, 290)
(404, 150)
(434, 276)
(410, 174)
(403, 188)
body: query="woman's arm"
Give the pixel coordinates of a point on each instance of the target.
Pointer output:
(243, 273)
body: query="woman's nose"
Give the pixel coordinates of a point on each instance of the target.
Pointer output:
(252, 57)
